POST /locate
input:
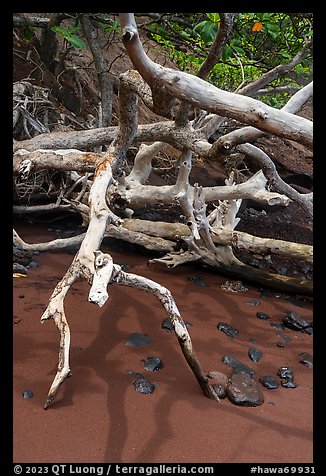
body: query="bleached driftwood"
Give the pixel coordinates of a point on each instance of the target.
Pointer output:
(99, 271)
(205, 96)
(138, 195)
(106, 272)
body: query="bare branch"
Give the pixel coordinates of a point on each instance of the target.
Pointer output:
(277, 72)
(206, 96)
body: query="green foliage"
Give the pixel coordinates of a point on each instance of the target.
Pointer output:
(258, 43)
(208, 28)
(28, 33)
(111, 27)
(70, 35)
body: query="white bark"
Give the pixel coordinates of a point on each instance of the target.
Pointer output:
(205, 96)
(255, 188)
(106, 271)
(221, 236)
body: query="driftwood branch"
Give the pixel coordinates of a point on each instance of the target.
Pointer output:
(106, 271)
(206, 96)
(254, 188)
(277, 72)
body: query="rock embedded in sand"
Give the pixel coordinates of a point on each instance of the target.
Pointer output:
(254, 302)
(166, 325)
(286, 374)
(154, 364)
(19, 268)
(269, 382)
(227, 329)
(137, 338)
(306, 359)
(143, 385)
(262, 315)
(27, 394)
(237, 366)
(243, 390)
(221, 378)
(255, 354)
(277, 326)
(295, 322)
(198, 280)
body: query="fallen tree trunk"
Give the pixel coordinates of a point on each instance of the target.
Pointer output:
(98, 271)
(237, 239)
(205, 96)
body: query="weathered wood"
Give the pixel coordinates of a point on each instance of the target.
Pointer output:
(205, 96)
(106, 271)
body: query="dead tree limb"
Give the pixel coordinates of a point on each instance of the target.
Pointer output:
(106, 271)
(99, 271)
(206, 96)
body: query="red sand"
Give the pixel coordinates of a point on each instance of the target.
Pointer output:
(99, 417)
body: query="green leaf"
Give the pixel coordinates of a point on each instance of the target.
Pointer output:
(68, 35)
(200, 25)
(285, 55)
(214, 17)
(227, 52)
(59, 29)
(28, 33)
(239, 50)
(76, 42)
(209, 31)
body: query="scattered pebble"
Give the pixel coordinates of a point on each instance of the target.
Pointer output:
(255, 354)
(306, 359)
(227, 329)
(221, 378)
(277, 326)
(166, 325)
(243, 390)
(286, 374)
(262, 315)
(143, 385)
(138, 339)
(237, 366)
(295, 322)
(285, 337)
(269, 382)
(254, 302)
(154, 364)
(27, 394)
